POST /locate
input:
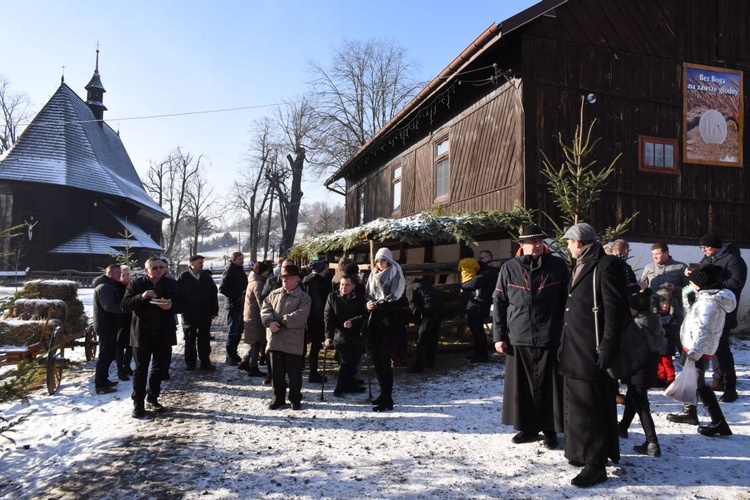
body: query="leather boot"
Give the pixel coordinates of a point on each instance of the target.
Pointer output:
(718, 424)
(689, 415)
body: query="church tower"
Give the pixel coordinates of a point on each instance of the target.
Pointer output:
(95, 93)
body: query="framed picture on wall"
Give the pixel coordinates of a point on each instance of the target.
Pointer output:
(712, 115)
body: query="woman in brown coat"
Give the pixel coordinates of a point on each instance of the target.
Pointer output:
(254, 332)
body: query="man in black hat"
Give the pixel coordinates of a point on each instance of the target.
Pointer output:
(733, 277)
(529, 308)
(201, 296)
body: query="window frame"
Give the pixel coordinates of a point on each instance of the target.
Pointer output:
(396, 181)
(643, 140)
(437, 159)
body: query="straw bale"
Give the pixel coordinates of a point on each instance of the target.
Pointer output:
(65, 290)
(38, 309)
(14, 332)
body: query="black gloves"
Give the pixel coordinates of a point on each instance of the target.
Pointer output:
(606, 359)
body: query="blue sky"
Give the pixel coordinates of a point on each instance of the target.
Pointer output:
(166, 57)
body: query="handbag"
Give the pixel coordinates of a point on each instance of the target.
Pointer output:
(685, 385)
(634, 351)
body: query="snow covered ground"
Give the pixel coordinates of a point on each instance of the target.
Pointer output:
(443, 439)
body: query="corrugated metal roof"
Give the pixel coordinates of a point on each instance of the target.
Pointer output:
(66, 146)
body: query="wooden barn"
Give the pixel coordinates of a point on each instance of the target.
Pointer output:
(663, 79)
(70, 183)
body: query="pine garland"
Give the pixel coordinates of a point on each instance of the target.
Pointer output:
(426, 227)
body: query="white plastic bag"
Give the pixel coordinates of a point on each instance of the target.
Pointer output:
(685, 385)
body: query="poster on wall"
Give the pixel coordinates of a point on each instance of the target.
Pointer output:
(713, 115)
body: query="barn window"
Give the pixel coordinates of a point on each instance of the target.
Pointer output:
(361, 204)
(657, 154)
(396, 188)
(442, 167)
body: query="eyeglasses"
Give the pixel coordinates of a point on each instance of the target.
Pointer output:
(154, 268)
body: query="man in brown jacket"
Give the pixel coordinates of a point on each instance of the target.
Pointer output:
(284, 314)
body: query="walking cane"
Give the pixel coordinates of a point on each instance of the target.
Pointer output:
(323, 383)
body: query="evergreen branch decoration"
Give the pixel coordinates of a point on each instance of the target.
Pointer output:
(427, 227)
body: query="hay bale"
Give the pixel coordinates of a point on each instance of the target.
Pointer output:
(15, 332)
(64, 290)
(27, 309)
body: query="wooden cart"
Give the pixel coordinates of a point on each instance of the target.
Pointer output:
(50, 351)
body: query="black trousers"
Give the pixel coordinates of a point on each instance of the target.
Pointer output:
(159, 358)
(636, 399)
(476, 325)
(724, 362)
(107, 352)
(349, 357)
(198, 334)
(284, 364)
(380, 352)
(429, 333)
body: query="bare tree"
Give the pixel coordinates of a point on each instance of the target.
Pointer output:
(199, 216)
(253, 193)
(367, 83)
(321, 218)
(14, 107)
(168, 183)
(298, 122)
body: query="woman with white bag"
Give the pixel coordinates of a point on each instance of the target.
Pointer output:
(706, 306)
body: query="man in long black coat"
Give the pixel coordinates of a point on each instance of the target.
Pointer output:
(528, 316)
(154, 300)
(589, 406)
(198, 289)
(318, 286)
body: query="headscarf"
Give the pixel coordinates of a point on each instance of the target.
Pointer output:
(389, 284)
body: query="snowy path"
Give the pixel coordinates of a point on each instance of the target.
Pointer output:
(444, 440)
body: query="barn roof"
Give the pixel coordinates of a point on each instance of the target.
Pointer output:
(485, 41)
(66, 146)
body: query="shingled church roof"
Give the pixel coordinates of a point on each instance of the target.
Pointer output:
(65, 145)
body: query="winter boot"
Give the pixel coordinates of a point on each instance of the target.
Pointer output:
(718, 424)
(689, 415)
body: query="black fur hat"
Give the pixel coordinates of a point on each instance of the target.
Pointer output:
(641, 301)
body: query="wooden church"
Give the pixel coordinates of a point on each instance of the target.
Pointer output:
(70, 183)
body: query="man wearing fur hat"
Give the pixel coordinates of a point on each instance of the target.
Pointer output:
(589, 409)
(529, 307)
(732, 277)
(284, 314)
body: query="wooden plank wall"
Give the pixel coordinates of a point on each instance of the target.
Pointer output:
(630, 55)
(486, 162)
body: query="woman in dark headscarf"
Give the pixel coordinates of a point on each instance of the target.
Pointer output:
(386, 303)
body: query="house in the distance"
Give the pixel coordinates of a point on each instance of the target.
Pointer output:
(70, 182)
(663, 79)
